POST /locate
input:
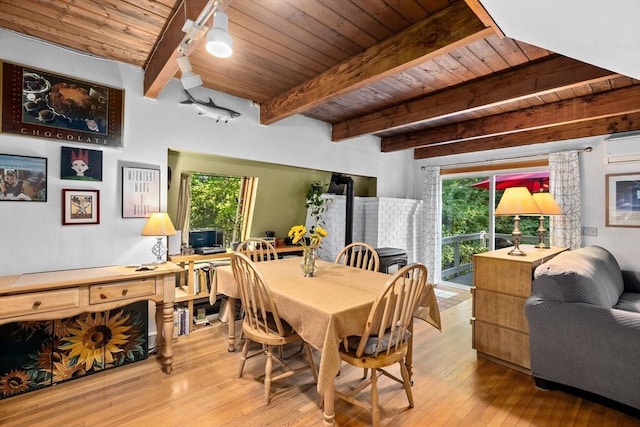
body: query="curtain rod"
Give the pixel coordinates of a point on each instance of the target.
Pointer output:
(530, 158)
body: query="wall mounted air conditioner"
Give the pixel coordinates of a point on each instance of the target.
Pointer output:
(622, 148)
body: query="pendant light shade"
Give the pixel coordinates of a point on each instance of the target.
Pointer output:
(219, 43)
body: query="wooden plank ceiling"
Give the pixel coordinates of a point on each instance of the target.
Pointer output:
(433, 76)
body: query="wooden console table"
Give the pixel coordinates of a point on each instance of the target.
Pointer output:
(65, 293)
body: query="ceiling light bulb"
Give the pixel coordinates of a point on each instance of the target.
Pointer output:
(219, 43)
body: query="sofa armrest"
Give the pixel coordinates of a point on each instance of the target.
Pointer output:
(631, 281)
(586, 346)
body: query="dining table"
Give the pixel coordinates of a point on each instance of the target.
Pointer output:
(323, 309)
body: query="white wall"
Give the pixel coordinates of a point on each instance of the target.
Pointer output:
(33, 238)
(622, 242)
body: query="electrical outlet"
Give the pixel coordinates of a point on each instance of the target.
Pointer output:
(590, 231)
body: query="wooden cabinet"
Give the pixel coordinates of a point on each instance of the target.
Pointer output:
(501, 286)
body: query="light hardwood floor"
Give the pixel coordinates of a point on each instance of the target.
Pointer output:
(451, 388)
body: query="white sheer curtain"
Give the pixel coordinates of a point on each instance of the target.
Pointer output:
(184, 207)
(432, 196)
(564, 185)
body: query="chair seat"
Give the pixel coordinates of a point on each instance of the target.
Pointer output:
(270, 337)
(372, 342)
(374, 362)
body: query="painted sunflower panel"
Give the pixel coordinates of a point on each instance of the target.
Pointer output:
(39, 354)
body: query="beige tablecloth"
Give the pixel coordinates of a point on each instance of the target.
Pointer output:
(323, 309)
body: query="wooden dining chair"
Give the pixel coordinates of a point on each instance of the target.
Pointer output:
(359, 255)
(263, 325)
(384, 341)
(258, 249)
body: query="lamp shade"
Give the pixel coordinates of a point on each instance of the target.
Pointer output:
(219, 42)
(159, 224)
(547, 204)
(517, 201)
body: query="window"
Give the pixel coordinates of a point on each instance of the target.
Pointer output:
(468, 223)
(222, 203)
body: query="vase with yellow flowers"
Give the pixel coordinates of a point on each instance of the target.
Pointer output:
(310, 245)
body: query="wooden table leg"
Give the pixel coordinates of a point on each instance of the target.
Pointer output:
(329, 411)
(231, 325)
(408, 359)
(164, 326)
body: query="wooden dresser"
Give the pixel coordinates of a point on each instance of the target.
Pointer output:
(501, 286)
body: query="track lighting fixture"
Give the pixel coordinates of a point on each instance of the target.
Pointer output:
(219, 42)
(189, 79)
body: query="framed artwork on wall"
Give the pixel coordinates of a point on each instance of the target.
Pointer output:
(80, 206)
(42, 104)
(23, 178)
(623, 200)
(80, 165)
(140, 192)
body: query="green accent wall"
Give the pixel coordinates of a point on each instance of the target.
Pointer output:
(281, 190)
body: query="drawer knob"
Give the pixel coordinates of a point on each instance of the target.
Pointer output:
(37, 304)
(124, 292)
(103, 296)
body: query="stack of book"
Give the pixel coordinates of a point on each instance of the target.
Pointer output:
(181, 319)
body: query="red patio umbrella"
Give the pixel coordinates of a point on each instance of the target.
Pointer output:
(534, 181)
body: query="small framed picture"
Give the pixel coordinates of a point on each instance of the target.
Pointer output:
(23, 178)
(623, 200)
(80, 164)
(140, 192)
(80, 207)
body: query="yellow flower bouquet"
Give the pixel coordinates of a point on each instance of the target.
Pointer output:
(297, 235)
(309, 245)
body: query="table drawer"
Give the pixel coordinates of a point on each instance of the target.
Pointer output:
(39, 302)
(99, 294)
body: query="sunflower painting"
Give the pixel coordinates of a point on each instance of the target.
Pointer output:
(38, 354)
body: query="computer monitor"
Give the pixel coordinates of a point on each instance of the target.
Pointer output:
(202, 238)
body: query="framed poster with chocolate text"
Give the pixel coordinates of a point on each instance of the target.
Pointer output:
(140, 192)
(42, 104)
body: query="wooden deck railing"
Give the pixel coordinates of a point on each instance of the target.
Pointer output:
(457, 240)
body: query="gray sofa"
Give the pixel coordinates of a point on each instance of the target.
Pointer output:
(584, 325)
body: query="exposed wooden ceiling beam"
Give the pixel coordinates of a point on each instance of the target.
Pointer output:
(162, 65)
(601, 126)
(539, 78)
(612, 103)
(442, 32)
(484, 16)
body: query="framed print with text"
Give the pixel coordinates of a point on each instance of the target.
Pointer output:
(140, 192)
(80, 206)
(623, 200)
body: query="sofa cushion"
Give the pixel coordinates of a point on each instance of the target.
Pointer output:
(629, 302)
(591, 275)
